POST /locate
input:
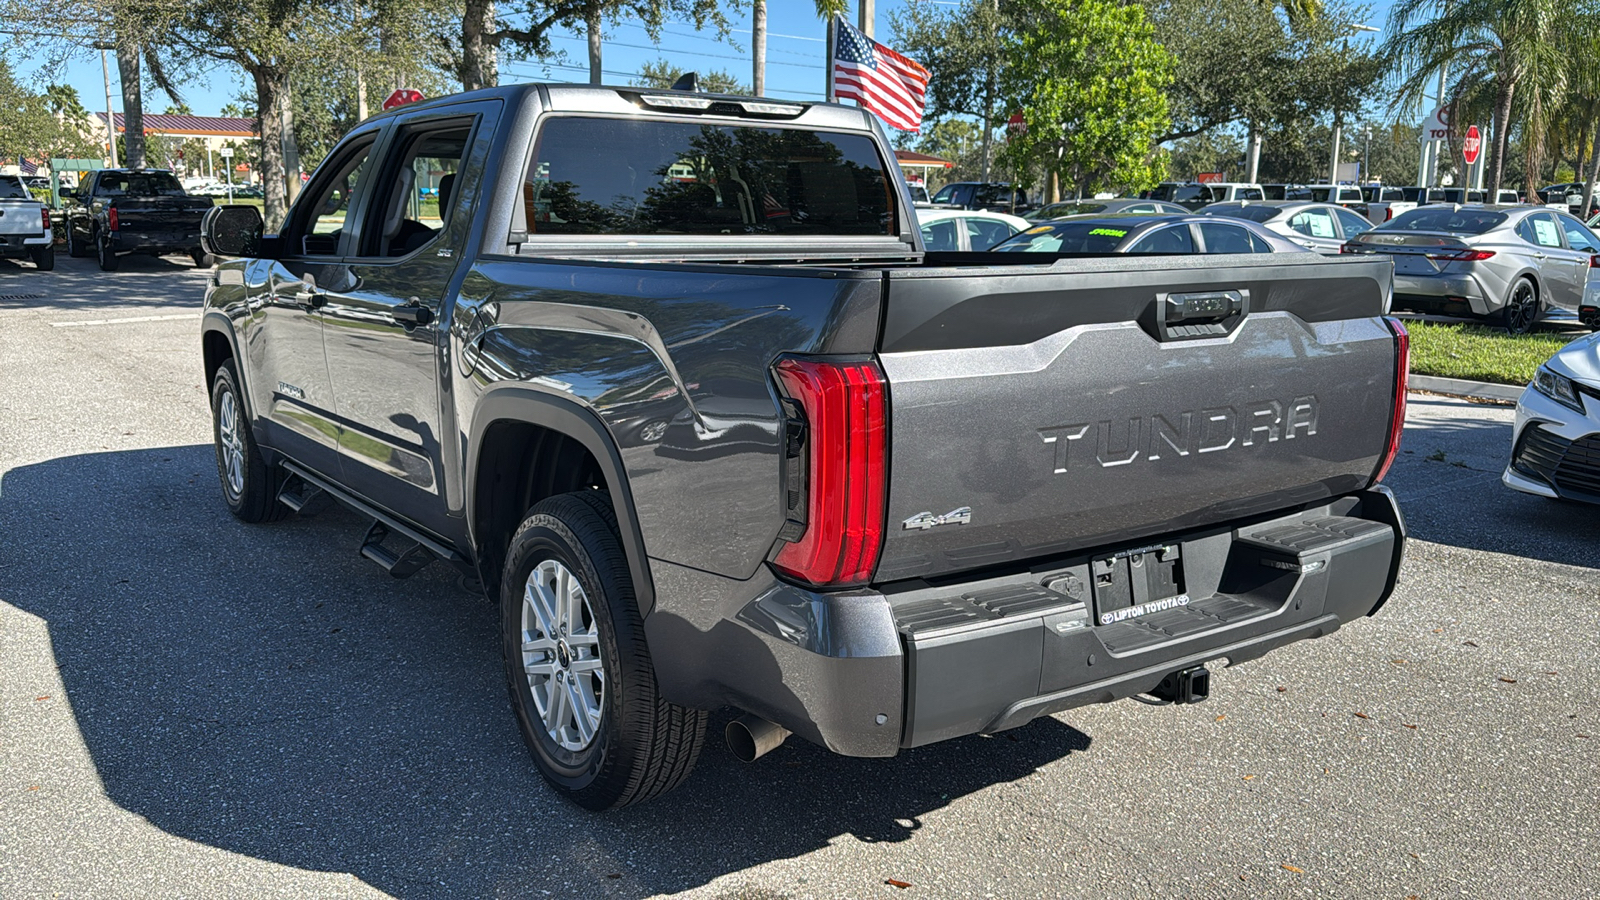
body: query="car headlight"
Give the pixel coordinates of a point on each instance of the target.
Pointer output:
(1558, 388)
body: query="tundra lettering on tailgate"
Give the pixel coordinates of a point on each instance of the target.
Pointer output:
(1117, 442)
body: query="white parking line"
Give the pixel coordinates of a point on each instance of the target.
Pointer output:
(129, 321)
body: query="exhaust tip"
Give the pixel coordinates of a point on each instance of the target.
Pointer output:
(752, 737)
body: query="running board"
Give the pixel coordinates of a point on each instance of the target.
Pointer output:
(403, 564)
(297, 493)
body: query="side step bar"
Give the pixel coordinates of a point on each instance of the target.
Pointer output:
(403, 564)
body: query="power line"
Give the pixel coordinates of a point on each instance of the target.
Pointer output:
(657, 48)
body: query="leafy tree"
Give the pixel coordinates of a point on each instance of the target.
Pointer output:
(958, 140)
(30, 125)
(1090, 80)
(1500, 50)
(965, 51)
(662, 75)
(1214, 151)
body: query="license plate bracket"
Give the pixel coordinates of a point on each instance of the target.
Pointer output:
(1125, 582)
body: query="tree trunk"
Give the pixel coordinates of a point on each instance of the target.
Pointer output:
(591, 20)
(361, 94)
(987, 139)
(291, 147)
(271, 94)
(478, 62)
(758, 48)
(1533, 140)
(1594, 171)
(1502, 127)
(132, 105)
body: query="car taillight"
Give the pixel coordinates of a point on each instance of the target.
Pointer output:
(44, 216)
(1461, 255)
(1388, 214)
(1594, 262)
(837, 446)
(111, 218)
(1402, 371)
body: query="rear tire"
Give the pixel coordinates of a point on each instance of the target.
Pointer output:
(104, 255)
(75, 247)
(44, 259)
(583, 687)
(249, 486)
(1521, 311)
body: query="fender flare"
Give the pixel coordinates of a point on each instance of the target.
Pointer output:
(218, 321)
(520, 403)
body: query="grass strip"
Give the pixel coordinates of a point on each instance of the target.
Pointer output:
(1476, 353)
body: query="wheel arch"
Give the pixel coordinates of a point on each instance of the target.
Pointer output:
(517, 430)
(217, 345)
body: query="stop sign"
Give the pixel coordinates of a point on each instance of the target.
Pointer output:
(402, 96)
(1471, 145)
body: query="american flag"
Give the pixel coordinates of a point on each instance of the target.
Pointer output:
(878, 78)
(27, 166)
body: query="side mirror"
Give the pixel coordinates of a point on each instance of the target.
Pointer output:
(231, 231)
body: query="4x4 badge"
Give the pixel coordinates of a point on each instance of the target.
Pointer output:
(922, 521)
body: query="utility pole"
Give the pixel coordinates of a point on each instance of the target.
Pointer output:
(1333, 166)
(1366, 156)
(867, 14)
(758, 50)
(1253, 161)
(111, 117)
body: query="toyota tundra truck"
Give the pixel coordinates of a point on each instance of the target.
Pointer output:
(672, 375)
(25, 225)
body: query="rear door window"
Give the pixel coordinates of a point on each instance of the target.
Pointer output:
(1173, 239)
(1223, 238)
(1579, 237)
(1545, 231)
(665, 177)
(1315, 223)
(1249, 194)
(985, 233)
(941, 235)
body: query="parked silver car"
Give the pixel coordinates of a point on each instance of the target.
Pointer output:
(1141, 233)
(1102, 207)
(1555, 447)
(1322, 227)
(1508, 264)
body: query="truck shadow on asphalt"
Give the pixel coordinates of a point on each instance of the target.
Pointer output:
(1448, 480)
(78, 285)
(262, 690)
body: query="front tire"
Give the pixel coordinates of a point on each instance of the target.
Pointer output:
(1522, 308)
(44, 259)
(104, 255)
(202, 259)
(75, 247)
(577, 664)
(249, 487)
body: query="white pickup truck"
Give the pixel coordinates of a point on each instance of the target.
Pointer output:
(25, 225)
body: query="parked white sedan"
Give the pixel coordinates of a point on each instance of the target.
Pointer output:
(967, 229)
(1555, 447)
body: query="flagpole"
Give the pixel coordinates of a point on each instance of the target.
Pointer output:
(833, 29)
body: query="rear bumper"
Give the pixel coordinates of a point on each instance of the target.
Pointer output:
(869, 673)
(125, 241)
(1429, 293)
(22, 244)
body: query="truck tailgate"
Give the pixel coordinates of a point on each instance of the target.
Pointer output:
(1037, 410)
(21, 218)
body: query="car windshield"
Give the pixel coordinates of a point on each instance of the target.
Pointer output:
(1068, 237)
(1451, 221)
(1072, 209)
(12, 189)
(140, 184)
(1252, 213)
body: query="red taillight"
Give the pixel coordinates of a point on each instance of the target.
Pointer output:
(44, 215)
(1594, 262)
(111, 218)
(1461, 255)
(1402, 371)
(1388, 214)
(845, 466)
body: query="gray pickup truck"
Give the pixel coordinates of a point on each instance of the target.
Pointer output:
(672, 375)
(25, 225)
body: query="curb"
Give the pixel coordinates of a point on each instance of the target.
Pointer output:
(1456, 387)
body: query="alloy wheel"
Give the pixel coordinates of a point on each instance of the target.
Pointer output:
(1522, 309)
(561, 655)
(230, 442)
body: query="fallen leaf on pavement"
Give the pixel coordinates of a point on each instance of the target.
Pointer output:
(1398, 662)
(615, 875)
(1362, 715)
(1295, 869)
(45, 697)
(897, 882)
(1220, 718)
(1469, 644)
(1508, 680)
(34, 788)
(1281, 689)
(1412, 727)
(1248, 777)
(1550, 673)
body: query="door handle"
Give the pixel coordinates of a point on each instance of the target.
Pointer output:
(310, 299)
(1540, 256)
(412, 314)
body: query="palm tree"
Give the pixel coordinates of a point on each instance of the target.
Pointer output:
(1505, 47)
(758, 47)
(826, 10)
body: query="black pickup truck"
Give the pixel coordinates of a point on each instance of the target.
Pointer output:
(672, 374)
(147, 211)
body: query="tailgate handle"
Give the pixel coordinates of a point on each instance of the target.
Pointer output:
(1203, 314)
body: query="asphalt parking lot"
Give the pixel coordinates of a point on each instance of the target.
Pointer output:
(193, 707)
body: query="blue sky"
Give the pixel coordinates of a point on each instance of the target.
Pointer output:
(795, 51)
